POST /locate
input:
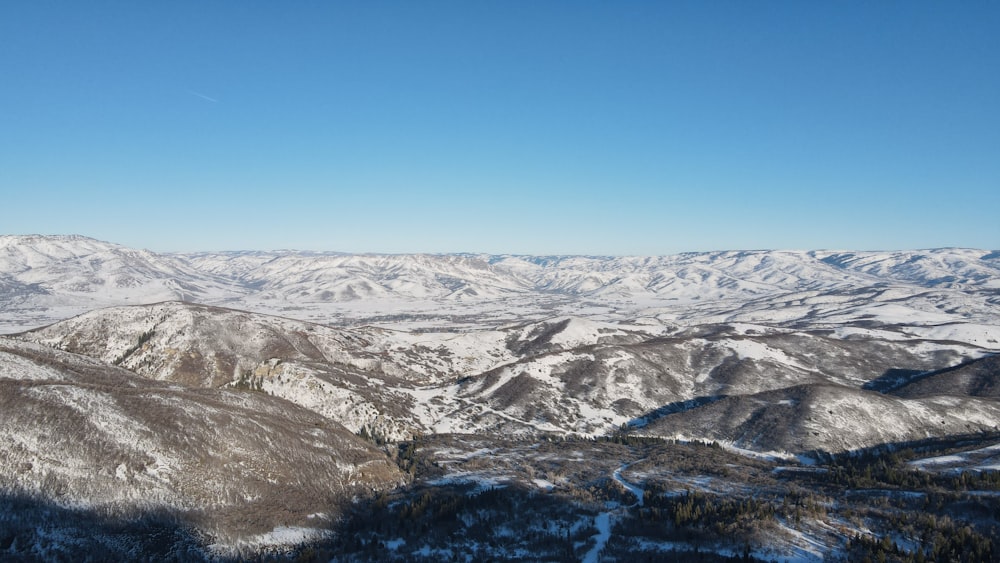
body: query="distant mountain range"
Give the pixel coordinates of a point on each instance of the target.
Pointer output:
(47, 278)
(216, 385)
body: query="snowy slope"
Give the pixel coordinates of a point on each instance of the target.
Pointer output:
(943, 267)
(232, 464)
(804, 419)
(345, 375)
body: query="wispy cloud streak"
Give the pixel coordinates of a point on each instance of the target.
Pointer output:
(203, 96)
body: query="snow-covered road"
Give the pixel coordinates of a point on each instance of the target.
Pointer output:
(636, 490)
(604, 521)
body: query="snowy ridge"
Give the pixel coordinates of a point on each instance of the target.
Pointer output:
(565, 375)
(43, 279)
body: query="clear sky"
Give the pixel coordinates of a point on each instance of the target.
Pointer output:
(517, 126)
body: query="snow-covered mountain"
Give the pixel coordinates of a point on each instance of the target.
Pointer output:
(568, 375)
(324, 277)
(646, 338)
(206, 392)
(44, 279)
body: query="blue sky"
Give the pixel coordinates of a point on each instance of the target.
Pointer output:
(504, 127)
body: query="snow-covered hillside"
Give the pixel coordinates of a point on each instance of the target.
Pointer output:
(565, 375)
(44, 279)
(515, 343)
(233, 465)
(47, 278)
(804, 419)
